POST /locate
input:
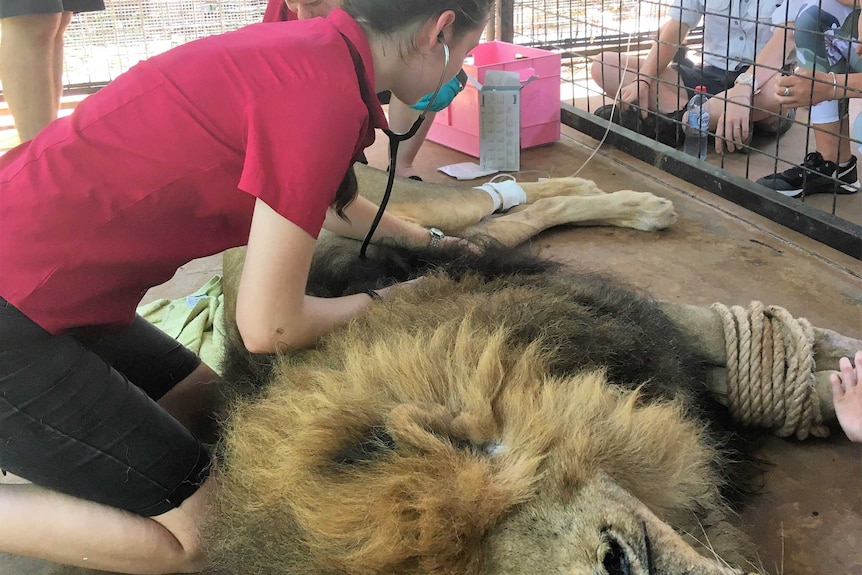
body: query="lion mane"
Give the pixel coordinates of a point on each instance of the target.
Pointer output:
(457, 426)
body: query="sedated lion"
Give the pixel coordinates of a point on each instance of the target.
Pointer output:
(503, 416)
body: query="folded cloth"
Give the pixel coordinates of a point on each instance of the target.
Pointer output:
(196, 321)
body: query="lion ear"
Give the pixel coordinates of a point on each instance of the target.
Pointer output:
(430, 427)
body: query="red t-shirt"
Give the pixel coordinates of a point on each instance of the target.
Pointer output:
(163, 165)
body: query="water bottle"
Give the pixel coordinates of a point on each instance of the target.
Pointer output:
(697, 125)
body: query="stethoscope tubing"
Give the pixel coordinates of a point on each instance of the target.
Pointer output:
(394, 140)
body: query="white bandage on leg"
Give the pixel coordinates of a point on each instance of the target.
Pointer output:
(506, 194)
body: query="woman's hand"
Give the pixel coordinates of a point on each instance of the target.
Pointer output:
(636, 93)
(452, 241)
(734, 124)
(804, 88)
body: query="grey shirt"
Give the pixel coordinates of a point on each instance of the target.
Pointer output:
(734, 31)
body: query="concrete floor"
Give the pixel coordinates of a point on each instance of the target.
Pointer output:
(809, 518)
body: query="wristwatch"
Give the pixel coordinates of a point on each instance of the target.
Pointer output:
(436, 238)
(748, 79)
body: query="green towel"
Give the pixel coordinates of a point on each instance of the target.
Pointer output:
(196, 321)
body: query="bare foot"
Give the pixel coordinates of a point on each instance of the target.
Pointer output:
(847, 396)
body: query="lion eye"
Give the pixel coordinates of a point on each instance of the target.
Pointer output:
(616, 559)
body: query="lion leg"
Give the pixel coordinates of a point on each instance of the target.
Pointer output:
(560, 187)
(449, 208)
(704, 330)
(641, 211)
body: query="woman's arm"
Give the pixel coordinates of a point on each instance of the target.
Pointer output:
(273, 313)
(671, 36)
(807, 88)
(361, 213)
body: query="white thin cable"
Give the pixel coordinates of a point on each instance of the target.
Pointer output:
(613, 108)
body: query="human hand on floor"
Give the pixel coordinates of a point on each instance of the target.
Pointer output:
(847, 396)
(734, 124)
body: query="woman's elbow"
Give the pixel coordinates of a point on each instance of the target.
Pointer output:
(254, 339)
(260, 337)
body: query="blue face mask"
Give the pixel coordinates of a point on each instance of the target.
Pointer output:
(444, 97)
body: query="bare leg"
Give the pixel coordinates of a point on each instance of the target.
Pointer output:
(832, 140)
(48, 525)
(666, 94)
(27, 57)
(57, 64)
(401, 118)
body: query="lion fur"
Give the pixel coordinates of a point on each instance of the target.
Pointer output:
(403, 441)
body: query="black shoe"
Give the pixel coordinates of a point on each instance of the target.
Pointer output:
(664, 128)
(815, 176)
(609, 112)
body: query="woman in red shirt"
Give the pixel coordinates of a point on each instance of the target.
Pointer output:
(239, 138)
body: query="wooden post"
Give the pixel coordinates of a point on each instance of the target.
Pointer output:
(491, 28)
(506, 20)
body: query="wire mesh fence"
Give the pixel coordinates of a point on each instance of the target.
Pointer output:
(101, 45)
(652, 54)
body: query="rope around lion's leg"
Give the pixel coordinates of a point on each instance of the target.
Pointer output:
(770, 370)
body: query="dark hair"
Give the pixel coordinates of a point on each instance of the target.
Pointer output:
(389, 17)
(345, 194)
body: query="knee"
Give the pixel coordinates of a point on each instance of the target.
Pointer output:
(185, 524)
(193, 560)
(597, 68)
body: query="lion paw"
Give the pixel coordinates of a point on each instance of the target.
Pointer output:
(646, 212)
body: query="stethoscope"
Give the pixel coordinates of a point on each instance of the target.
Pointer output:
(394, 140)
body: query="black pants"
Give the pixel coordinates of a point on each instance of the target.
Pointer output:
(80, 416)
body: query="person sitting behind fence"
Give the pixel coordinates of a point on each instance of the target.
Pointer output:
(401, 115)
(829, 68)
(741, 94)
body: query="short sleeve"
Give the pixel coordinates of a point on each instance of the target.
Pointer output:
(689, 12)
(300, 143)
(787, 11)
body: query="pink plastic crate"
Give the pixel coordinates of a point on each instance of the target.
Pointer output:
(457, 126)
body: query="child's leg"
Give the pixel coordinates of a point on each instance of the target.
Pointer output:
(847, 395)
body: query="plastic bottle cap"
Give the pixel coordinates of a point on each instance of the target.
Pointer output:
(700, 89)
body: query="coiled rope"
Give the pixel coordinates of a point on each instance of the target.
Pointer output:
(770, 370)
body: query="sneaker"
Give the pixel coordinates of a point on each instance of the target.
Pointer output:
(816, 175)
(664, 128)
